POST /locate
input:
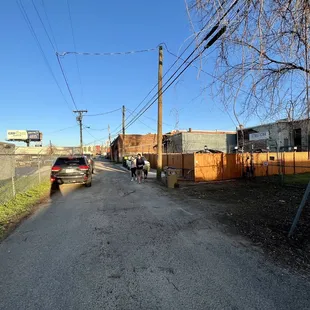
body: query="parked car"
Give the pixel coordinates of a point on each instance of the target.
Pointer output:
(90, 160)
(71, 170)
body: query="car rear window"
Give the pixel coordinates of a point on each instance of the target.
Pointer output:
(70, 161)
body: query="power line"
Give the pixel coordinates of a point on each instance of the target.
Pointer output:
(28, 22)
(52, 44)
(150, 118)
(217, 78)
(74, 45)
(206, 37)
(208, 45)
(86, 129)
(104, 113)
(49, 24)
(107, 53)
(66, 80)
(63, 129)
(102, 129)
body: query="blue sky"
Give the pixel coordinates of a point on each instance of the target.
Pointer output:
(30, 98)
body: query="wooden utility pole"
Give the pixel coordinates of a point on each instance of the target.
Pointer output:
(123, 127)
(79, 118)
(109, 142)
(160, 115)
(109, 135)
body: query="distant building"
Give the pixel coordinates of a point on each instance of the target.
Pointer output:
(133, 144)
(192, 141)
(282, 135)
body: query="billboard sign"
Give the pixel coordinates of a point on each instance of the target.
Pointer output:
(259, 136)
(34, 135)
(17, 135)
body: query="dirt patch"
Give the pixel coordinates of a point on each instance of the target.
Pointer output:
(263, 212)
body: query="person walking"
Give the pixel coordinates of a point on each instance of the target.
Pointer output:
(139, 165)
(133, 168)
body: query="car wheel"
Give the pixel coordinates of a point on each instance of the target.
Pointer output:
(88, 184)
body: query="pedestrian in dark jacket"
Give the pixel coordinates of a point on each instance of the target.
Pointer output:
(139, 164)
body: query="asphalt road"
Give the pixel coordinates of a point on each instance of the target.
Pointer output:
(121, 245)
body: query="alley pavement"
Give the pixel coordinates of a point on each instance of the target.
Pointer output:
(123, 245)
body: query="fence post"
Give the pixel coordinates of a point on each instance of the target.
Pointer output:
(301, 206)
(13, 176)
(39, 172)
(222, 158)
(267, 170)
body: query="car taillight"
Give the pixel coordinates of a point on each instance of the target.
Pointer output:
(83, 167)
(56, 168)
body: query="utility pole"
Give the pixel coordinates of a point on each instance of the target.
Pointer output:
(79, 118)
(109, 135)
(160, 115)
(123, 125)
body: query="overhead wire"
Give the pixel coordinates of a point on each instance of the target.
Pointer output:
(28, 22)
(49, 24)
(104, 113)
(208, 35)
(108, 53)
(63, 129)
(39, 16)
(66, 81)
(150, 118)
(74, 45)
(208, 45)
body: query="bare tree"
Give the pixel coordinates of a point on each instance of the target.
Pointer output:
(262, 60)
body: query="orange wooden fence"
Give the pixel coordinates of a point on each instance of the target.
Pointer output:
(216, 167)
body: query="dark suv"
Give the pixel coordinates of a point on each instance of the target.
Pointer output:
(71, 170)
(89, 159)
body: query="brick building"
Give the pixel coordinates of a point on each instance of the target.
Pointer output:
(133, 144)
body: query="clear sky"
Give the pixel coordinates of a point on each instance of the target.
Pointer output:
(30, 98)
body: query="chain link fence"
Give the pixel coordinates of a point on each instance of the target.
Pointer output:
(19, 173)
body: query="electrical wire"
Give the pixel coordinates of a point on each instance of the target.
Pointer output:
(39, 16)
(63, 129)
(49, 24)
(104, 113)
(74, 45)
(102, 129)
(28, 22)
(217, 78)
(152, 119)
(208, 35)
(66, 80)
(208, 45)
(107, 53)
